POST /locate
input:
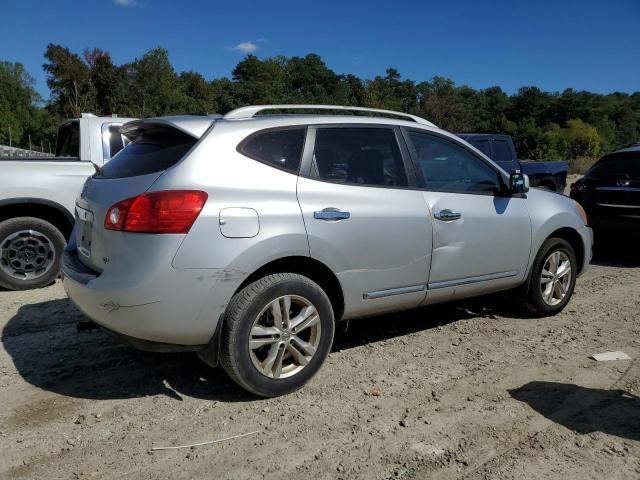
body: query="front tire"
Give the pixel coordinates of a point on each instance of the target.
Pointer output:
(553, 278)
(30, 252)
(277, 333)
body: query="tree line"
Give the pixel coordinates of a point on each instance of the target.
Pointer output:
(545, 125)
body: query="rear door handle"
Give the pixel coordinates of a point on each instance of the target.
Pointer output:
(331, 214)
(447, 215)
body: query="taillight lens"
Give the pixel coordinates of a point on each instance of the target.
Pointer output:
(167, 211)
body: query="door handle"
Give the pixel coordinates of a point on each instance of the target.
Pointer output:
(331, 214)
(447, 215)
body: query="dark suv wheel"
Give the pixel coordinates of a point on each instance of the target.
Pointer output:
(277, 333)
(30, 252)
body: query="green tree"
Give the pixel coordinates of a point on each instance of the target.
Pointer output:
(577, 139)
(69, 79)
(392, 93)
(20, 113)
(153, 85)
(545, 125)
(260, 81)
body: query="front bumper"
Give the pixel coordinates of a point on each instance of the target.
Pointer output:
(151, 308)
(586, 233)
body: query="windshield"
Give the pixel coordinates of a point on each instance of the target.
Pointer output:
(626, 165)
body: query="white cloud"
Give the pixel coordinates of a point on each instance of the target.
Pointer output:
(126, 3)
(245, 47)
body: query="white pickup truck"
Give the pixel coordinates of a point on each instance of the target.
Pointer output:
(37, 199)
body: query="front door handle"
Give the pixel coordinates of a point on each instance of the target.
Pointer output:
(331, 214)
(447, 215)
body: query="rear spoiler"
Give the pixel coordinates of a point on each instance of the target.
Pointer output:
(193, 125)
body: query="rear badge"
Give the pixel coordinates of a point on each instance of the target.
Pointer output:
(105, 259)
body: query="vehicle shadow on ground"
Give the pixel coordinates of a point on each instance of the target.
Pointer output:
(49, 352)
(584, 410)
(622, 252)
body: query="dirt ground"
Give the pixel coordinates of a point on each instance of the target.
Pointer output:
(459, 391)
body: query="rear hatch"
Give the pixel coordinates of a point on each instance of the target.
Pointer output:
(156, 145)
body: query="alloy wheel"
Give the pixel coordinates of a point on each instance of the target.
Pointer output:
(555, 278)
(285, 336)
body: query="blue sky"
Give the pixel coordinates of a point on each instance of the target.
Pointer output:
(583, 44)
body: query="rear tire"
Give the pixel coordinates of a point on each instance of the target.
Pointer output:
(30, 253)
(276, 335)
(553, 278)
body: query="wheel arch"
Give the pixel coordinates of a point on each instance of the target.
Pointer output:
(302, 265)
(46, 210)
(574, 239)
(307, 267)
(568, 234)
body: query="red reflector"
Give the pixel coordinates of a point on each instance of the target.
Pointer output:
(167, 211)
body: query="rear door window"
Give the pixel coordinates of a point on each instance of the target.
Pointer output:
(280, 148)
(154, 149)
(359, 156)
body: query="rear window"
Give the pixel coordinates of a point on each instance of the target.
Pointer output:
(152, 150)
(484, 146)
(278, 148)
(68, 144)
(626, 164)
(502, 151)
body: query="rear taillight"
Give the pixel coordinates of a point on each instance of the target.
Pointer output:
(168, 211)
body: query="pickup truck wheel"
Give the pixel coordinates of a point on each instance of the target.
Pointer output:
(30, 252)
(553, 278)
(276, 335)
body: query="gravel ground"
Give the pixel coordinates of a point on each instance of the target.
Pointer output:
(459, 391)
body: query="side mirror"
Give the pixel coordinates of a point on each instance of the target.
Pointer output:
(518, 183)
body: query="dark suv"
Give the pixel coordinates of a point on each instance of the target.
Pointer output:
(610, 192)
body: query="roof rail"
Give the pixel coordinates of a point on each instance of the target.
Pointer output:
(251, 111)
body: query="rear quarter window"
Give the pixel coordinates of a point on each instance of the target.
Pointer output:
(153, 150)
(279, 148)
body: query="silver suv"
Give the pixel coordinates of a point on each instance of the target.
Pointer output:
(247, 237)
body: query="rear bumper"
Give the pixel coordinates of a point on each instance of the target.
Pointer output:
(150, 308)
